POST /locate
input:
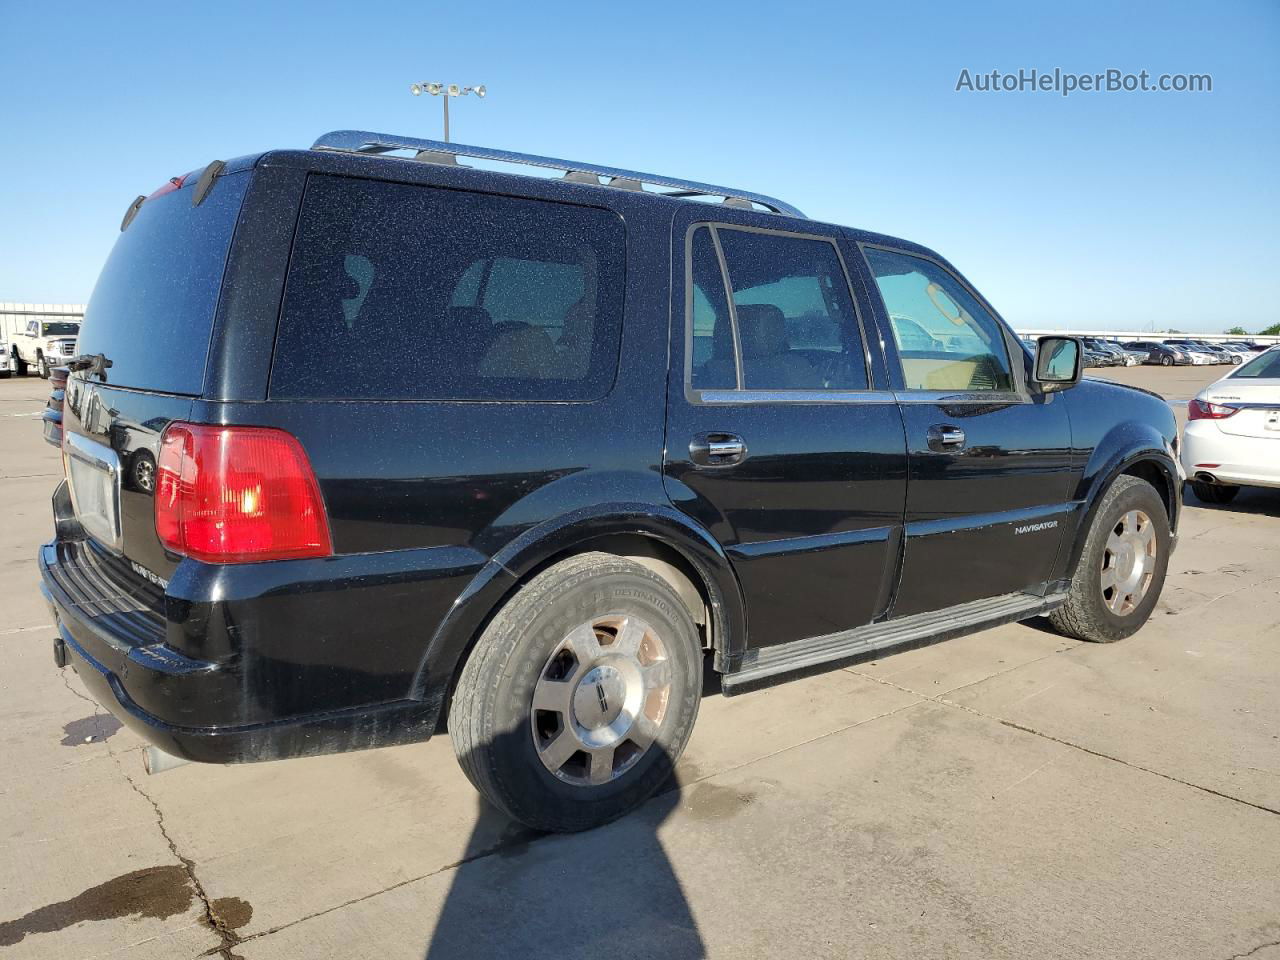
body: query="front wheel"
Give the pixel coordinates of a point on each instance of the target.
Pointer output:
(43, 368)
(580, 695)
(1122, 567)
(1214, 492)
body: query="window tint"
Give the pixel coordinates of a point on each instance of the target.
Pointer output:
(398, 291)
(945, 339)
(1265, 365)
(796, 326)
(152, 310)
(713, 366)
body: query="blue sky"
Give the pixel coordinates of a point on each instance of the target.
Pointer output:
(1119, 210)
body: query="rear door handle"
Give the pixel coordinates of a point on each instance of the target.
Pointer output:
(717, 449)
(945, 437)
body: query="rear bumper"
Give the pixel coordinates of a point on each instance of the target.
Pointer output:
(246, 664)
(356, 728)
(1239, 460)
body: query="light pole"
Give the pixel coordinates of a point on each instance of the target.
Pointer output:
(445, 91)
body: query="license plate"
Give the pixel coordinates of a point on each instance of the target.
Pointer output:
(93, 475)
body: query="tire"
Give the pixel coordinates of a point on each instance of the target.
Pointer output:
(1236, 359)
(1091, 612)
(19, 366)
(43, 368)
(1214, 492)
(511, 752)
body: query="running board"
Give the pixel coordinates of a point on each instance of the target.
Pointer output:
(762, 666)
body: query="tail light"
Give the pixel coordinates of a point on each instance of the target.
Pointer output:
(238, 495)
(1204, 410)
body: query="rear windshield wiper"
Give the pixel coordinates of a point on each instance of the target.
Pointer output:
(92, 364)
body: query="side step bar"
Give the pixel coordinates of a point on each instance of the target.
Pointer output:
(765, 665)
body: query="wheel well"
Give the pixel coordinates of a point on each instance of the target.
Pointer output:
(1149, 471)
(652, 554)
(656, 556)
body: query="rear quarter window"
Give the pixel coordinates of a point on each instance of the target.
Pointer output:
(399, 291)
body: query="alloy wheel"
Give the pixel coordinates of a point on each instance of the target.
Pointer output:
(1128, 562)
(600, 699)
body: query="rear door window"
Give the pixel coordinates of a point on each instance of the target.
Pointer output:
(398, 291)
(792, 320)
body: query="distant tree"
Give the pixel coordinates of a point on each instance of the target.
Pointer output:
(1271, 331)
(1237, 332)
(1171, 330)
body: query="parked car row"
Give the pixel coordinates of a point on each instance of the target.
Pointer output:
(1179, 351)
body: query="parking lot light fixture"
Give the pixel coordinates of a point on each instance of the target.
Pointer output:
(445, 91)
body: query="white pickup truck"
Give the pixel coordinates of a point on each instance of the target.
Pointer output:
(41, 344)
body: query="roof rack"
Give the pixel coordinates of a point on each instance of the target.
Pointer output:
(362, 141)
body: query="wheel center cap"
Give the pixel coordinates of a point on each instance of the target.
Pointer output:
(599, 697)
(1127, 560)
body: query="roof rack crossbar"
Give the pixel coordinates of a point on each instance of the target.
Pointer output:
(362, 141)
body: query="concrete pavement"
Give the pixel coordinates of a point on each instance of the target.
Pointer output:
(1009, 794)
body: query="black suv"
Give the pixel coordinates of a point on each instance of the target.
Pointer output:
(364, 441)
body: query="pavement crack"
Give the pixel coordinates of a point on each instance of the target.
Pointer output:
(497, 848)
(1075, 746)
(1250, 953)
(227, 936)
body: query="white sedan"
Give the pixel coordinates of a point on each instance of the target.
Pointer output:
(1232, 437)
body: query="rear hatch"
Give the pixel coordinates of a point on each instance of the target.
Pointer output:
(143, 348)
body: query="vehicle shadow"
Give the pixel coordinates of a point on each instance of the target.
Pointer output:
(608, 892)
(1250, 500)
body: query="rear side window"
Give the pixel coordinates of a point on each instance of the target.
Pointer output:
(398, 291)
(791, 320)
(152, 310)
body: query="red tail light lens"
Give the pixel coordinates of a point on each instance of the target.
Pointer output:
(238, 495)
(1203, 410)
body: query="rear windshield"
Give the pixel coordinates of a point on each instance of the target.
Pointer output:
(151, 313)
(60, 329)
(1266, 366)
(398, 291)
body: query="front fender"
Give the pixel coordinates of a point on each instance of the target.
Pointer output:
(1126, 445)
(499, 578)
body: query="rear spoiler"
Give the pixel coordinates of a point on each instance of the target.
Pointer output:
(201, 190)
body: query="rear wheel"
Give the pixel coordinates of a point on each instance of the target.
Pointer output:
(1166, 360)
(1122, 567)
(580, 695)
(1214, 492)
(19, 366)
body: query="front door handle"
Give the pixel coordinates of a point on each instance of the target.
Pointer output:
(717, 449)
(945, 437)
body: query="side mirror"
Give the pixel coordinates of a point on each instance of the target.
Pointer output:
(1058, 363)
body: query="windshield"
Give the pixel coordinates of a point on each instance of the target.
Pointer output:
(60, 329)
(1266, 365)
